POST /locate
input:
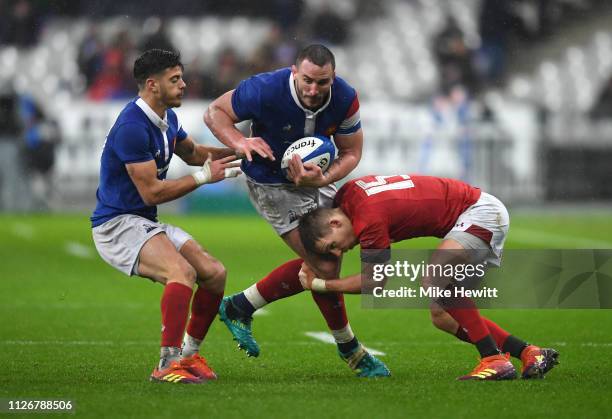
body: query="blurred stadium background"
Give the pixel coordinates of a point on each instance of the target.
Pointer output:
(514, 96)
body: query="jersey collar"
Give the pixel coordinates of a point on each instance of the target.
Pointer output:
(162, 124)
(297, 100)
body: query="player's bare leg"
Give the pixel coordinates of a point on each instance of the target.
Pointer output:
(160, 261)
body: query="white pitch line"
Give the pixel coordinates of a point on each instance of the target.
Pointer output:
(558, 240)
(261, 312)
(79, 250)
(328, 338)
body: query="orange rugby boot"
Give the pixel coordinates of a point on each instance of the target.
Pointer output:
(174, 374)
(495, 367)
(538, 361)
(197, 365)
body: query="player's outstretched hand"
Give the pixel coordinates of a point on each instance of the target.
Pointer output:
(248, 146)
(305, 174)
(215, 170)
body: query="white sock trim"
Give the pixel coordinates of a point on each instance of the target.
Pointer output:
(343, 335)
(252, 294)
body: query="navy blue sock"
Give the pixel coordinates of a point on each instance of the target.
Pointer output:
(514, 346)
(348, 347)
(486, 346)
(242, 305)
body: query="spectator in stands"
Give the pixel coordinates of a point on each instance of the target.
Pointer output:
(447, 147)
(455, 59)
(41, 135)
(196, 79)
(329, 27)
(91, 55)
(264, 57)
(287, 14)
(602, 109)
(10, 132)
(155, 35)
(114, 81)
(278, 50)
(497, 24)
(228, 72)
(20, 25)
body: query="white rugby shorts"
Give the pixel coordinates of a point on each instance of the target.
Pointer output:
(484, 225)
(120, 239)
(282, 205)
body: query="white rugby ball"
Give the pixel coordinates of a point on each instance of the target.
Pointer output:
(317, 150)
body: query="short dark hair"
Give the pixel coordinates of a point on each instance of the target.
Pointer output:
(313, 226)
(154, 61)
(317, 54)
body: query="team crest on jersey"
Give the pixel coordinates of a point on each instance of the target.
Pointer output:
(331, 130)
(287, 128)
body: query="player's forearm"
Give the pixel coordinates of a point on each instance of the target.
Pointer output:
(222, 127)
(168, 190)
(201, 154)
(342, 166)
(348, 285)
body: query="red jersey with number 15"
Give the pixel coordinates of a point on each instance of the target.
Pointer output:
(387, 209)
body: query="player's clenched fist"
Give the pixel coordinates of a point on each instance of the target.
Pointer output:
(308, 280)
(215, 170)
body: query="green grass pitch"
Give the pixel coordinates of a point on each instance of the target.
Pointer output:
(74, 328)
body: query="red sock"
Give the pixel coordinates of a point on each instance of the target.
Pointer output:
(174, 309)
(464, 311)
(332, 307)
(282, 282)
(204, 308)
(499, 334)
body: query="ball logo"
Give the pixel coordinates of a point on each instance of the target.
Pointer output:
(309, 142)
(315, 150)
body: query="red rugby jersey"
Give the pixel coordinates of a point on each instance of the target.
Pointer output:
(387, 209)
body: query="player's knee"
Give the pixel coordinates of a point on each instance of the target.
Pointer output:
(182, 272)
(214, 277)
(218, 273)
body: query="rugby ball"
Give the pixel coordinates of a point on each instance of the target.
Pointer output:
(318, 150)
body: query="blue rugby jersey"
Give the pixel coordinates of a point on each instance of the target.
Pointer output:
(138, 135)
(271, 102)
